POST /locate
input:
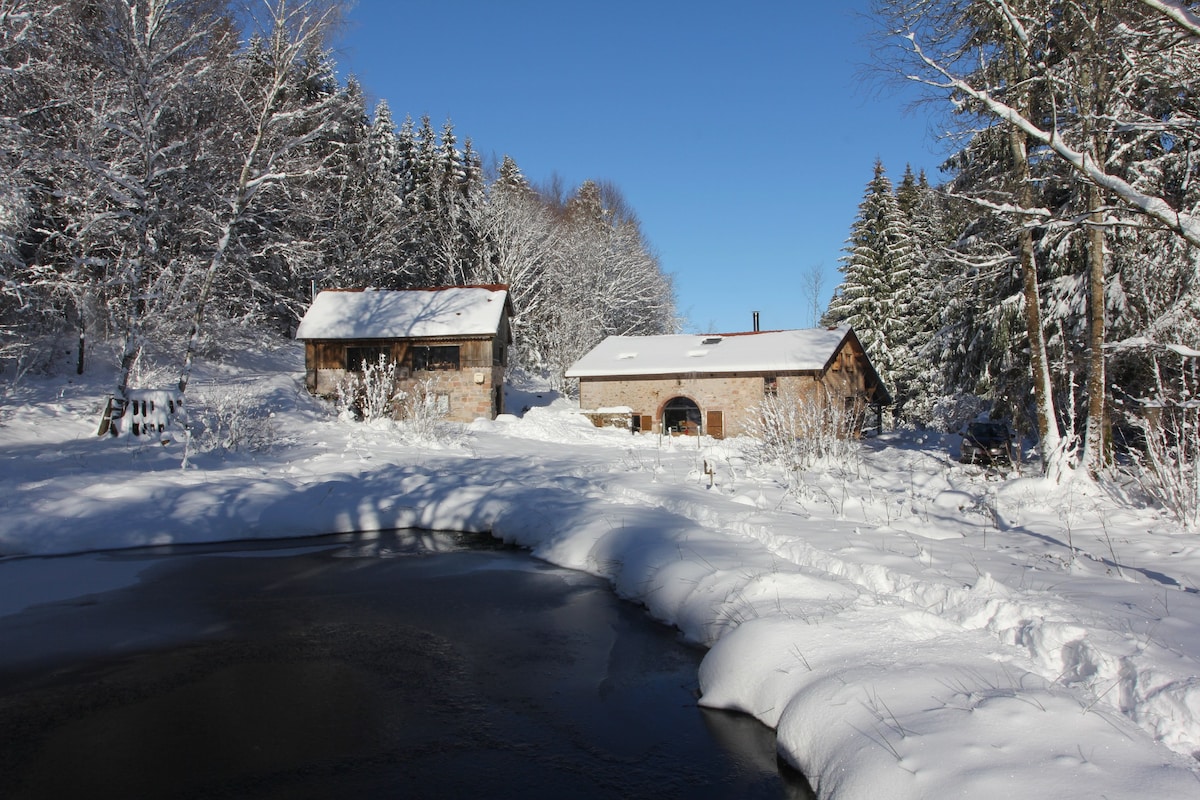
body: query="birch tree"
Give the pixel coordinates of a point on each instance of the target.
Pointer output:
(278, 128)
(153, 61)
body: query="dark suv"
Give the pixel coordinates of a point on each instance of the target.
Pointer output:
(987, 443)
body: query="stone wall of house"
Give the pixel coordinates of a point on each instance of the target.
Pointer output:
(735, 395)
(731, 394)
(469, 393)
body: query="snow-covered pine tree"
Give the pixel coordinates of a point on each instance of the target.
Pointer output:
(874, 297)
(930, 224)
(450, 249)
(360, 244)
(440, 203)
(471, 197)
(383, 197)
(422, 210)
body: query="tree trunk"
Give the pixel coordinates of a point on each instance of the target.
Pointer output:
(82, 349)
(1093, 447)
(1050, 441)
(210, 276)
(1093, 96)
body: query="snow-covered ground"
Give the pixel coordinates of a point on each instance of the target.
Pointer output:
(911, 627)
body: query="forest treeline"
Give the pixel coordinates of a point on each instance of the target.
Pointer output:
(1051, 279)
(176, 173)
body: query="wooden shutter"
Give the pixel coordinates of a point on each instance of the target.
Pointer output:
(716, 424)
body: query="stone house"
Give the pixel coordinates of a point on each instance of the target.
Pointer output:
(457, 337)
(710, 383)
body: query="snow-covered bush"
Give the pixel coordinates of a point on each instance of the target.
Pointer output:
(417, 414)
(370, 393)
(1160, 430)
(1169, 464)
(797, 433)
(234, 417)
(421, 412)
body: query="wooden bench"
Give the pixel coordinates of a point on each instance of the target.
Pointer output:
(141, 412)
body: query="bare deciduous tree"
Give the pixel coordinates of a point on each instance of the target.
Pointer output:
(279, 127)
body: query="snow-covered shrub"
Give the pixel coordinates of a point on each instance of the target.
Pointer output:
(1169, 463)
(421, 413)
(797, 433)
(1160, 429)
(19, 356)
(231, 417)
(417, 414)
(369, 394)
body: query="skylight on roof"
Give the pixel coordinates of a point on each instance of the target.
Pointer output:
(711, 340)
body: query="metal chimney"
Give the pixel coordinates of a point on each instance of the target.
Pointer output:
(756, 322)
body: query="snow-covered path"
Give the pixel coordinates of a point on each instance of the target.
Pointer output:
(911, 627)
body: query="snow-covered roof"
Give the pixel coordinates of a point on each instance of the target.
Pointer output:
(403, 314)
(766, 351)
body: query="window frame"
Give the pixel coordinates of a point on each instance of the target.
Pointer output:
(374, 351)
(436, 358)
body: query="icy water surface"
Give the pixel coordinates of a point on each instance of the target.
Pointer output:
(398, 665)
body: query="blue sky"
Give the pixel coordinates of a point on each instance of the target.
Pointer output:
(743, 134)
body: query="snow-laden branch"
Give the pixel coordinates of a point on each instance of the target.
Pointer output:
(1041, 214)
(1185, 225)
(1014, 22)
(1175, 11)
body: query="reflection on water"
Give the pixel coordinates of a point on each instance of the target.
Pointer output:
(390, 665)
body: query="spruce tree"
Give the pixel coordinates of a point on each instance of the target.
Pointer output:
(878, 268)
(422, 209)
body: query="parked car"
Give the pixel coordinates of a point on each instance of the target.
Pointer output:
(986, 443)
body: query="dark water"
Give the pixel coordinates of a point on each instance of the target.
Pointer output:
(402, 665)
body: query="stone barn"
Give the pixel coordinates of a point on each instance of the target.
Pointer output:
(456, 336)
(709, 384)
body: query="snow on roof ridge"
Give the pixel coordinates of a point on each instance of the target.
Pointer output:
(491, 287)
(755, 333)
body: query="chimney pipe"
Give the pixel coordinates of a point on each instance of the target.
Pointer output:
(756, 322)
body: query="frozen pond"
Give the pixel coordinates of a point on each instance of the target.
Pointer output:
(393, 665)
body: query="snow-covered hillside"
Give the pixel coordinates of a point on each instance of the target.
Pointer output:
(912, 627)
